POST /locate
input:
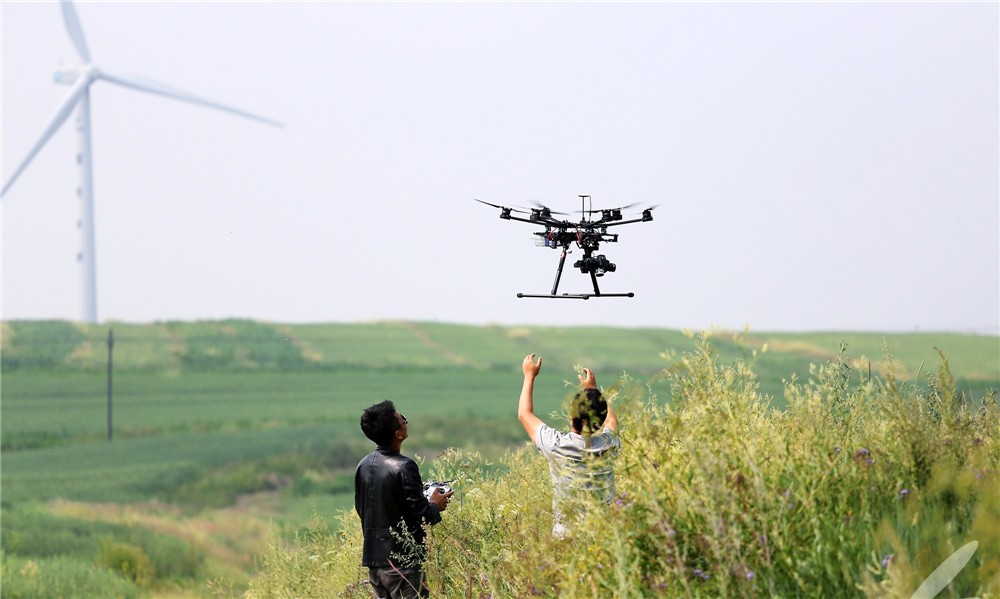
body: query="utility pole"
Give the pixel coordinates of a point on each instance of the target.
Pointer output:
(111, 345)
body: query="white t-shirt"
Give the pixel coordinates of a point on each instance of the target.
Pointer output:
(577, 466)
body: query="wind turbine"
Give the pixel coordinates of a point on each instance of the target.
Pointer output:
(81, 78)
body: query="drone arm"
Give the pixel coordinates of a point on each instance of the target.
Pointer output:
(549, 222)
(628, 222)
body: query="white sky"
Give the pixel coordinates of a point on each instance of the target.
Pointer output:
(817, 166)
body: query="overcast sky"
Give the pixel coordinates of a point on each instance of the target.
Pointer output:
(816, 166)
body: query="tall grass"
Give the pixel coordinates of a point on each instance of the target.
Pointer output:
(862, 487)
(63, 577)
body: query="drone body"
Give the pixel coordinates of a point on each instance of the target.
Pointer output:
(587, 233)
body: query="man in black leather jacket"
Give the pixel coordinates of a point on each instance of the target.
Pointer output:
(389, 499)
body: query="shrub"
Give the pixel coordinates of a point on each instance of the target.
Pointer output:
(129, 561)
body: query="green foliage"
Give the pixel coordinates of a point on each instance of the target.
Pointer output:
(235, 345)
(39, 344)
(195, 469)
(207, 412)
(32, 532)
(63, 408)
(313, 569)
(862, 486)
(67, 578)
(243, 345)
(129, 561)
(221, 485)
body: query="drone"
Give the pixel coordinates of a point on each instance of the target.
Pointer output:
(587, 234)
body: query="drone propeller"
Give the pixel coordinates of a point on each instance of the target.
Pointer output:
(544, 208)
(502, 207)
(488, 204)
(593, 210)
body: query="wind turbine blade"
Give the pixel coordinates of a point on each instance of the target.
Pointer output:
(60, 117)
(161, 89)
(75, 29)
(942, 576)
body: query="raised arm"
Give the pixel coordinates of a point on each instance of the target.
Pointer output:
(589, 381)
(611, 422)
(526, 403)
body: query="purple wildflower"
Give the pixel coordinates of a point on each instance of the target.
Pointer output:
(887, 559)
(903, 493)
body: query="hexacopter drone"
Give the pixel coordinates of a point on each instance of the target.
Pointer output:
(587, 234)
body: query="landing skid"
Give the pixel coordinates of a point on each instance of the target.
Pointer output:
(583, 296)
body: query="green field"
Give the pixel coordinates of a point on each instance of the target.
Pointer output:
(227, 433)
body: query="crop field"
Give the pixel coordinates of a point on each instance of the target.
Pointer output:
(232, 438)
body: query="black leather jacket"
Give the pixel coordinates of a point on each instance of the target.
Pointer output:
(388, 496)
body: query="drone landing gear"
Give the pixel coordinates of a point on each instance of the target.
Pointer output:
(583, 296)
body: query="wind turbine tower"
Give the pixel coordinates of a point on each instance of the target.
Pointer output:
(80, 79)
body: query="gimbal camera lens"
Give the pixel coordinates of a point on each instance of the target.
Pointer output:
(597, 264)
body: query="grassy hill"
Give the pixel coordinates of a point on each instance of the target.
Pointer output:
(226, 432)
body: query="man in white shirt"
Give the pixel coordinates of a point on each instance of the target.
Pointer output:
(581, 462)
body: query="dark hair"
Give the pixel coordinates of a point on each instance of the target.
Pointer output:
(588, 411)
(379, 422)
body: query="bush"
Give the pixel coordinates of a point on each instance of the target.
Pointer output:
(861, 486)
(129, 561)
